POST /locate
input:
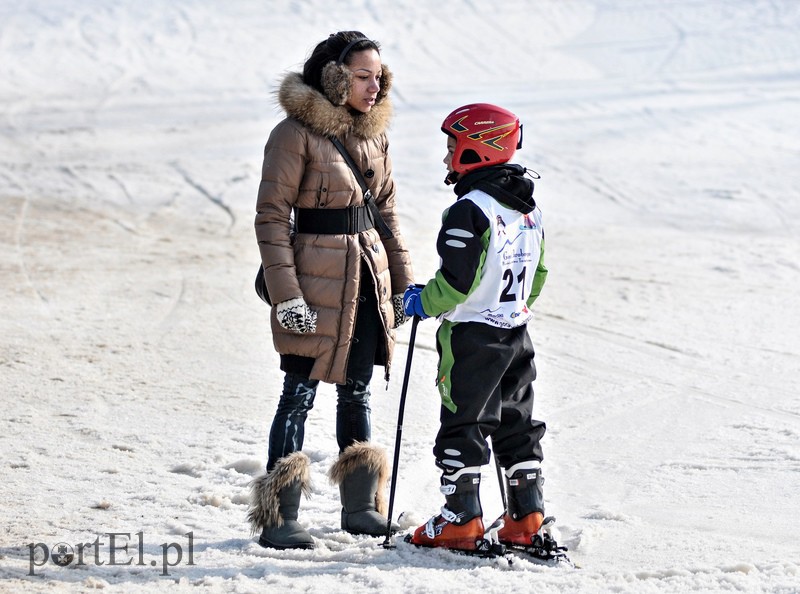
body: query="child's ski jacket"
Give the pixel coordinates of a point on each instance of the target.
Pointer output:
(491, 246)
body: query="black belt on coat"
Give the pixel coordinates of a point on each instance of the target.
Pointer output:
(333, 221)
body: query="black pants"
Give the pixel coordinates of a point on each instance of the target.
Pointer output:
(488, 372)
(352, 405)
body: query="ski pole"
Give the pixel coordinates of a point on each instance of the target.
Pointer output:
(501, 481)
(386, 544)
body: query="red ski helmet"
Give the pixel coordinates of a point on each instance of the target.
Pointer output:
(485, 134)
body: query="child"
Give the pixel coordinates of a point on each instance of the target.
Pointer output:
(491, 246)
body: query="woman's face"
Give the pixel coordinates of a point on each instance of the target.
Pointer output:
(366, 68)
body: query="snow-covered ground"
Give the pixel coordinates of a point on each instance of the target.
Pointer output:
(137, 373)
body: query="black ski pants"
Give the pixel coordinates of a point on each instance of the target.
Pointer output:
(491, 371)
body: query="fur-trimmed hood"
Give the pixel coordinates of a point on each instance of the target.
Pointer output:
(319, 114)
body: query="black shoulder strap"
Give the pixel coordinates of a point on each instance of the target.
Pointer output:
(349, 160)
(375, 214)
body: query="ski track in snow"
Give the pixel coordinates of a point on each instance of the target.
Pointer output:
(136, 363)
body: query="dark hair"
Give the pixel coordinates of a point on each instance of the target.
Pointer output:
(331, 50)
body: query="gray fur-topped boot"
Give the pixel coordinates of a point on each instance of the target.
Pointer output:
(361, 473)
(275, 499)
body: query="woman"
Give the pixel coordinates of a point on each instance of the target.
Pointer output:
(336, 272)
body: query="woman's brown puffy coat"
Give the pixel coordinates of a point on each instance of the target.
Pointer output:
(303, 169)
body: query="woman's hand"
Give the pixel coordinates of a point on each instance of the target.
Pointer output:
(295, 315)
(400, 316)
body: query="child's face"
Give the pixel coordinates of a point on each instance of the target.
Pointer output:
(451, 148)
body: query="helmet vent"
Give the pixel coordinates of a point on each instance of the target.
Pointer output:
(469, 157)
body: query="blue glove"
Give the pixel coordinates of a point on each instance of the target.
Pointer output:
(412, 302)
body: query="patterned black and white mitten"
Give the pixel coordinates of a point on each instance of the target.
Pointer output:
(400, 316)
(295, 315)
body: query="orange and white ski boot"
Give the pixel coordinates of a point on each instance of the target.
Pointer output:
(459, 525)
(525, 511)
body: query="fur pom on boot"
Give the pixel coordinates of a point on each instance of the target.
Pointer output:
(274, 504)
(362, 472)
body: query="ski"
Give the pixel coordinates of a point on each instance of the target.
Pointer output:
(543, 550)
(550, 554)
(484, 549)
(536, 556)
